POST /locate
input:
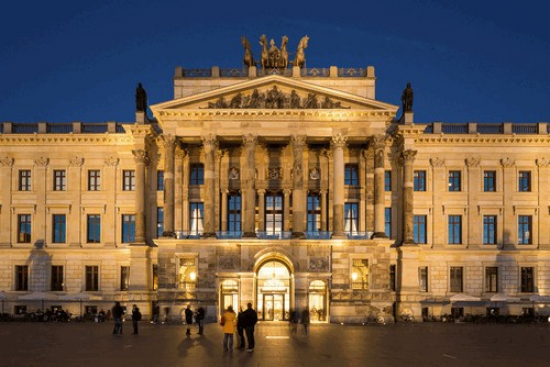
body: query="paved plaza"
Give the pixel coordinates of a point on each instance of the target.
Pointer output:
(433, 344)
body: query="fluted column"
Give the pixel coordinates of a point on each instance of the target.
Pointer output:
(338, 142)
(141, 159)
(286, 210)
(225, 192)
(261, 210)
(247, 185)
(210, 145)
(298, 192)
(408, 191)
(379, 146)
(169, 192)
(323, 198)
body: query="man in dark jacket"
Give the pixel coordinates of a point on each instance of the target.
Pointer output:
(117, 313)
(240, 328)
(201, 313)
(136, 317)
(188, 319)
(250, 318)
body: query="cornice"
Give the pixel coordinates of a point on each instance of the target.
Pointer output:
(484, 140)
(47, 139)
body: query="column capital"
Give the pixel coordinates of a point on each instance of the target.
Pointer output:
(169, 141)
(379, 141)
(507, 162)
(261, 191)
(76, 162)
(287, 192)
(140, 156)
(210, 142)
(111, 162)
(225, 191)
(298, 141)
(542, 162)
(250, 140)
(41, 162)
(409, 156)
(437, 162)
(180, 152)
(338, 141)
(6, 161)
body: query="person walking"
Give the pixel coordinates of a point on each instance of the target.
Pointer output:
(294, 320)
(228, 327)
(188, 319)
(201, 313)
(240, 328)
(250, 318)
(136, 317)
(117, 313)
(305, 320)
(156, 312)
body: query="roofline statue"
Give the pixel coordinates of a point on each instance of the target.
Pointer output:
(300, 59)
(248, 58)
(407, 98)
(141, 99)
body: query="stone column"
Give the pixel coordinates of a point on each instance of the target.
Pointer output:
(225, 192)
(210, 144)
(6, 169)
(178, 189)
(323, 198)
(379, 145)
(261, 210)
(408, 199)
(338, 142)
(169, 192)
(286, 210)
(141, 159)
(298, 193)
(247, 185)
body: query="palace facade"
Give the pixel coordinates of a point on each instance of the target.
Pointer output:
(291, 189)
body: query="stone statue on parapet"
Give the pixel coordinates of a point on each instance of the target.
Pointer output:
(300, 59)
(274, 57)
(248, 59)
(141, 99)
(407, 98)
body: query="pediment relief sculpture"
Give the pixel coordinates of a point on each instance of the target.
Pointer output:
(275, 98)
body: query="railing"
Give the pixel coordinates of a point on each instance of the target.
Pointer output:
(1, 128)
(24, 128)
(120, 128)
(315, 72)
(490, 128)
(233, 73)
(94, 128)
(274, 235)
(320, 235)
(228, 235)
(359, 235)
(525, 129)
(274, 71)
(454, 128)
(183, 235)
(59, 128)
(352, 72)
(197, 73)
(429, 128)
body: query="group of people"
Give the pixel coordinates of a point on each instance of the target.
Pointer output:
(297, 318)
(244, 322)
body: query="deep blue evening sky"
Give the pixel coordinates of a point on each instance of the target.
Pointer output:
(469, 60)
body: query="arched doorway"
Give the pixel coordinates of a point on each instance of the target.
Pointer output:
(273, 281)
(318, 301)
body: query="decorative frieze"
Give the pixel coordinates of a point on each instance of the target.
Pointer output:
(111, 162)
(507, 162)
(437, 162)
(41, 162)
(473, 162)
(76, 162)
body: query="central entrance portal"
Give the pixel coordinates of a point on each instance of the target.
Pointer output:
(273, 281)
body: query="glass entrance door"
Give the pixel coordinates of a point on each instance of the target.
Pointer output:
(274, 307)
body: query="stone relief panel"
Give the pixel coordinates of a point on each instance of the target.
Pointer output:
(318, 263)
(228, 262)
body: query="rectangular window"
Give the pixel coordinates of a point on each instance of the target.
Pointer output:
(491, 279)
(57, 278)
(24, 228)
(124, 278)
(25, 180)
(455, 180)
(94, 180)
(456, 278)
(419, 180)
(489, 229)
(128, 228)
(419, 229)
(128, 180)
(155, 274)
(160, 180)
(93, 228)
(423, 278)
(455, 229)
(234, 213)
(160, 222)
(525, 227)
(524, 183)
(187, 273)
(59, 226)
(196, 218)
(196, 176)
(360, 274)
(351, 175)
(351, 217)
(527, 279)
(273, 213)
(387, 222)
(313, 213)
(489, 181)
(393, 277)
(59, 180)
(92, 278)
(387, 181)
(21, 278)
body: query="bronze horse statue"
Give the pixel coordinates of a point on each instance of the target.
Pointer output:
(265, 52)
(300, 59)
(248, 59)
(284, 53)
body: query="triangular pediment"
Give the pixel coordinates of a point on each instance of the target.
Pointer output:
(274, 92)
